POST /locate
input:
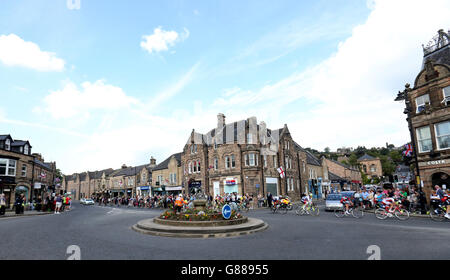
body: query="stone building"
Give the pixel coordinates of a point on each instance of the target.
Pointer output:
(127, 181)
(428, 113)
(24, 172)
(168, 176)
(371, 166)
(241, 157)
(351, 174)
(313, 173)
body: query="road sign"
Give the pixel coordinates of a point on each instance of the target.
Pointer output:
(226, 211)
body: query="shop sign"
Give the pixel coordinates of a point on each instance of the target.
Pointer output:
(230, 182)
(436, 162)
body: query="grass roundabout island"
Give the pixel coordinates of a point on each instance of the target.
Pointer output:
(199, 223)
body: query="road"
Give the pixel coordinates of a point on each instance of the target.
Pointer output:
(104, 233)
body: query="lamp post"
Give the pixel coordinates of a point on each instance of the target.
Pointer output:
(403, 95)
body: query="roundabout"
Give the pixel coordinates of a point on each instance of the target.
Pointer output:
(200, 222)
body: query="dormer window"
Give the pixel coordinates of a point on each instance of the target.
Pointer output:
(8, 144)
(25, 150)
(249, 138)
(446, 92)
(421, 101)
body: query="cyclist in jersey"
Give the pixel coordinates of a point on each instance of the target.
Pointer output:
(389, 202)
(443, 197)
(347, 202)
(306, 200)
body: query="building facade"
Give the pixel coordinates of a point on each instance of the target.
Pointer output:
(168, 176)
(22, 172)
(371, 166)
(428, 111)
(241, 157)
(351, 174)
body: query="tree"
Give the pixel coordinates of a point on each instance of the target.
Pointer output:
(327, 150)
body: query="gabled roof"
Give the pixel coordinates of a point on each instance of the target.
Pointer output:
(19, 143)
(3, 137)
(165, 163)
(343, 165)
(366, 157)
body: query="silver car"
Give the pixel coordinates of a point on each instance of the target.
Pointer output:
(333, 202)
(87, 201)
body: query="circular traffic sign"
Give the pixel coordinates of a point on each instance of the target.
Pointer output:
(226, 211)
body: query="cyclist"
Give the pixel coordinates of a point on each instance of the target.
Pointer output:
(306, 200)
(444, 201)
(347, 202)
(389, 203)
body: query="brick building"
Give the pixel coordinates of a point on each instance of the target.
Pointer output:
(428, 113)
(241, 157)
(24, 172)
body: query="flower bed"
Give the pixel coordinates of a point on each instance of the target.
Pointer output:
(197, 215)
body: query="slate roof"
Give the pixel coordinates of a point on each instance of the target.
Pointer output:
(311, 159)
(366, 157)
(334, 177)
(165, 163)
(440, 56)
(42, 164)
(3, 137)
(19, 143)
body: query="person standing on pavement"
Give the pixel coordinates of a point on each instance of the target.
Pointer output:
(19, 204)
(2, 204)
(58, 204)
(269, 199)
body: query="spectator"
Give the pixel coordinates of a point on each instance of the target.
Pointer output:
(2, 204)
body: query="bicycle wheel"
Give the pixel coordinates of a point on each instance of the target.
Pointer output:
(439, 216)
(402, 214)
(314, 211)
(299, 210)
(273, 209)
(339, 212)
(358, 212)
(284, 210)
(381, 214)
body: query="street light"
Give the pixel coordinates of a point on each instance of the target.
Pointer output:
(403, 95)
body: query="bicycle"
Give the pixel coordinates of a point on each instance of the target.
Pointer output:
(310, 209)
(355, 211)
(242, 207)
(438, 213)
(278, 206)
(401, 214)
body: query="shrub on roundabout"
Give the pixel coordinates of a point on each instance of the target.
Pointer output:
(197, 215)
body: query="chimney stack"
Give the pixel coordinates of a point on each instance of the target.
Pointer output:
(124, 166)
(220, 120)
(152, 162)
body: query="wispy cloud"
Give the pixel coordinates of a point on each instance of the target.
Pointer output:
(161, 40)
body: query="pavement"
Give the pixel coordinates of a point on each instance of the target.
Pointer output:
(104, 233)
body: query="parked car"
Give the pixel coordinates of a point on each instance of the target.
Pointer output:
(87, 201)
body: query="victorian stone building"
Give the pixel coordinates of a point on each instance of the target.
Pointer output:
(371, 166)
(241, 157)
(168, 176)
(23, 172)
(350, 176)
(428, 114)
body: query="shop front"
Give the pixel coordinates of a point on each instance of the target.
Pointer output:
(20, 189)
(6, 187)
(272, 186)
(117, 193)
(194, 186)
(143, 191)
(230, 185)
(174, 190)
(157, 191)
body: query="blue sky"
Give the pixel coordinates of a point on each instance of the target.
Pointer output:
(90, 91)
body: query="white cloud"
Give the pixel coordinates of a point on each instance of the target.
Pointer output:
(348, 99)
(14, 51)
(74, 102)
(161, 40)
